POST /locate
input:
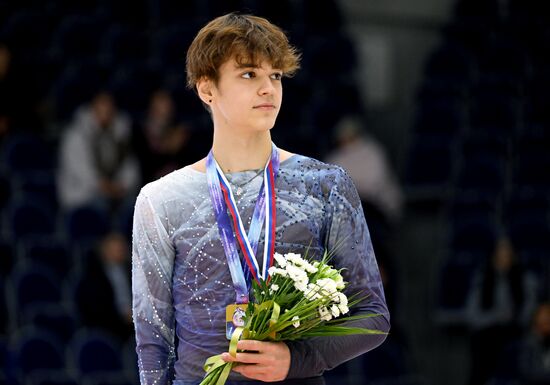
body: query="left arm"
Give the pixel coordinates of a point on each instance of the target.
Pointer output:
(348, 236)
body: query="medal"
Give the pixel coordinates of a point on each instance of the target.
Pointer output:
(234, 318)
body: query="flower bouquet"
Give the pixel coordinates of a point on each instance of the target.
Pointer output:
(300, 299)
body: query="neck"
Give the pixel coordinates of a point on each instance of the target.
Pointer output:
(236, 153)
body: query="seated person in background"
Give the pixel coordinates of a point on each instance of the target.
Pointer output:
(366, 162)
(162, 142)
(96, 164)
(499, 306)
(534, 354)
(104, 292)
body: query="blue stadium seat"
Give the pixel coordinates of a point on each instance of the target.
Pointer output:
(51, 252)
(86, 223)
(39, 188)
(55, 319)
(30, 219)
(94, 352)
(36, 351)
(32, 285)
(27, 155)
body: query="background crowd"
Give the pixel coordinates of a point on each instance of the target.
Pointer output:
(93, 105)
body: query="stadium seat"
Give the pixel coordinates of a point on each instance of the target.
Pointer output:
(17, 159)
(52, 253)
(86, 223)
(94, 352)
(32, 285)
(30, 219)
(55, 319)
(36, 351)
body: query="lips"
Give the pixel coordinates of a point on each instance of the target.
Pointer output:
(265, 106)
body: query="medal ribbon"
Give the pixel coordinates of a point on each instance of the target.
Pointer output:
(223, 202)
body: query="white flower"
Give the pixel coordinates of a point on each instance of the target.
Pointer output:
(328, 287)
(325, 314)
(295, 259)
(274, 287)
(343, 308)
(342, 299)
(277, 271)
(297, 323)
(281, 261)
(301, 284)
(295, 273)
(312, 292)
(339, 281)
(335, 311)
(310, 268)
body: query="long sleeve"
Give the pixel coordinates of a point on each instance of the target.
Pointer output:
(153, 314)
(348, 236)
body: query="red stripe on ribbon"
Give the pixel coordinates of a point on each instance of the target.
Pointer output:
(238, 234)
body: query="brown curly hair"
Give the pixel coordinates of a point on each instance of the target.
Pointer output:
(249, 39)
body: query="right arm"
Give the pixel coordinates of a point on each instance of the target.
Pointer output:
(153, 312)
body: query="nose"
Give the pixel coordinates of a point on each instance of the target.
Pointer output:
(266, 87)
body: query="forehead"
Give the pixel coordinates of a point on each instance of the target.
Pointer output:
(236, 64)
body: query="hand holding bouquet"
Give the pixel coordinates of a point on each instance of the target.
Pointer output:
(301, 299)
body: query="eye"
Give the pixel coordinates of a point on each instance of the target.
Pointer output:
(248, 75)
(277, 76)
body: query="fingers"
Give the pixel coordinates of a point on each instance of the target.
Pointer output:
(270, 362)
(246, 358)
(252, 345)
(254, 372)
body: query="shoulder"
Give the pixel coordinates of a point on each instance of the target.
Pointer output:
(329, 174)
(174, 186)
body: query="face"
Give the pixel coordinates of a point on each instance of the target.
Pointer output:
(245, 98)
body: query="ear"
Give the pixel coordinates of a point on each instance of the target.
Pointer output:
(204, 90)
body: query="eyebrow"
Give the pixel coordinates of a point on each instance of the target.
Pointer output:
(246, 65)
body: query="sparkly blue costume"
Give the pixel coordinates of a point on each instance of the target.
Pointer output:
(182, 284)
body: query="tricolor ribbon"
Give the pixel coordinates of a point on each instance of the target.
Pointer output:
(231, 228)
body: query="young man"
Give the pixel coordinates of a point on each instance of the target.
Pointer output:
(184, 245)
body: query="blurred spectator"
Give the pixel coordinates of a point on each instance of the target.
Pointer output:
(96, 160)
(7, 90)
(104, 291)
(365, 160)
(534, 354)
(162, 141)
(500, 302)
